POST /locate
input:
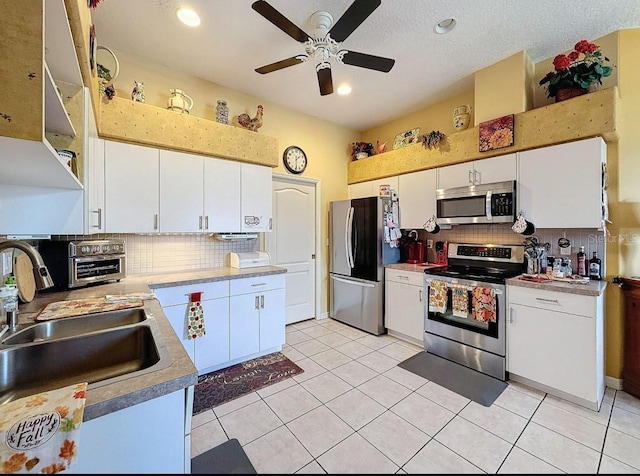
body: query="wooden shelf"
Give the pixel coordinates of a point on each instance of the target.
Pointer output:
(590, 115)
(139, 123)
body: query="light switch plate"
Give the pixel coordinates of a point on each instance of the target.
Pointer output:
(6, 263)
(565, 251)
(429, 244)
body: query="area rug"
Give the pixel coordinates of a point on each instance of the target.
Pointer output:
(474, 385)
(227, 384)
(227, 458)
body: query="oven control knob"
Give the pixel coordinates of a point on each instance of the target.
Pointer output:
(84, 249)
(115, 247)
(95, 248)
(105, 248)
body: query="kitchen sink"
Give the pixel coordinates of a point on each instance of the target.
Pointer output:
(97, 357)
(75, 326)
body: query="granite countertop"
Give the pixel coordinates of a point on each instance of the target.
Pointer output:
(108, 398)
(417, 268)
(592, 288)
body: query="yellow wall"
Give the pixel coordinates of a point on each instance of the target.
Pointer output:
(503, 88)
(326, 144)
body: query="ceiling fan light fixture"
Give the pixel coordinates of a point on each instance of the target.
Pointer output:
(344, 89)
(188, 16)
(445, 26)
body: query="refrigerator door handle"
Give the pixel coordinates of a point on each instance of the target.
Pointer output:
(357, 282)
(348, 236)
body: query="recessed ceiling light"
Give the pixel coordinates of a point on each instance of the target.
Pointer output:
(344, 90)
(445, 26)
(188, 16)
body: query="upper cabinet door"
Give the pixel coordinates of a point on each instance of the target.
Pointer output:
(256, 198)
(131, 188)
(457, 175)
(496, 169)
(181, 192)
(561, 186)
(371, 188)
(222, 195)
(417, 192)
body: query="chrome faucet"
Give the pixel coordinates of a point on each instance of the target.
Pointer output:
(40, 271)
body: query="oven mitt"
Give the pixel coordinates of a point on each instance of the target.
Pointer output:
(195, 326)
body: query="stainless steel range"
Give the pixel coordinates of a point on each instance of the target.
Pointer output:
(465, 317)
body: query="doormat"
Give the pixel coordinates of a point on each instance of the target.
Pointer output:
(227, 384)
(227, 458)
(474, 385)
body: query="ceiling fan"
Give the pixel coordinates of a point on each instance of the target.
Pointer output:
(326, 44)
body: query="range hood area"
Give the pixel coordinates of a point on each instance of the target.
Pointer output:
(235, 236)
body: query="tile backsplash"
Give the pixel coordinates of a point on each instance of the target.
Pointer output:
(591, 239)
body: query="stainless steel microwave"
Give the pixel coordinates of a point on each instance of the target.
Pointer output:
(475, 204)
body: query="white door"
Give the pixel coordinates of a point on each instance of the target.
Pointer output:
(292, 244)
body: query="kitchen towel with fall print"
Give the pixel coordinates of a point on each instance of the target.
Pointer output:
(460, 300)
(437, 296)
(195, 324)
(484, 304)
(40, 433)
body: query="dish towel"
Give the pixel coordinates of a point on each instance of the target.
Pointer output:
(484, 304)
(460, 300)
(40, 433)
(437, 296)
(195, 325)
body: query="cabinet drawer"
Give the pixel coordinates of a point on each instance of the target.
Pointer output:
(256, 284)
(180, 294)
(577, 304)
(407, 277)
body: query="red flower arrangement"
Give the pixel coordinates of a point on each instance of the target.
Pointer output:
(580, 68)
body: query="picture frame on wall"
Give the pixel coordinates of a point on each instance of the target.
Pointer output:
(496, 133)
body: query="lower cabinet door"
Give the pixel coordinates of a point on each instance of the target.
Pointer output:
(272, 318)
(212, 348)
(244, 325)
(177, 316)
(404, 309)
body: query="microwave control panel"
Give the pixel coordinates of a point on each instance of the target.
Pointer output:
(502, 204)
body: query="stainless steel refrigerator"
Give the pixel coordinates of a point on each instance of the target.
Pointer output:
(358, 255)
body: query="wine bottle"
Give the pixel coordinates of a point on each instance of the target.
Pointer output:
(595, 267)
(582, 263)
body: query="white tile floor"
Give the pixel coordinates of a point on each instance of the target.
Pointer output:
(354, 411)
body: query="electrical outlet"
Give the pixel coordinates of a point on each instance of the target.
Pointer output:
(6, 263)
(565, 251)
(429, 244)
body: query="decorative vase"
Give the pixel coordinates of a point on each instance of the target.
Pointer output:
(461, 121)
(179, 101)
(222, 112)
(569, 92)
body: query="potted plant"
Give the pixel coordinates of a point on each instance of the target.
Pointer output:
(576, 72)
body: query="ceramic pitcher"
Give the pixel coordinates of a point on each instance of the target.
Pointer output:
(462, 117)
(179, 101)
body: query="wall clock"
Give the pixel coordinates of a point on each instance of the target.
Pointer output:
(294, 159)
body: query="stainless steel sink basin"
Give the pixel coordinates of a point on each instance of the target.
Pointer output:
(75, 326)
(97, 357)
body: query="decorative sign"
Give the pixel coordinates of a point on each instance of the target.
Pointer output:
(496, 133)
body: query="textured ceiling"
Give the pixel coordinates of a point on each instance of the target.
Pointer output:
(233, 40)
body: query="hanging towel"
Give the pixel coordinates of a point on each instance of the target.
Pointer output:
(484, 304)
(460, 300)
(195, 325)
(40, 433)
(437, 296)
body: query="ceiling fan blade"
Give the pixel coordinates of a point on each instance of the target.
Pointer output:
(352, 18)
(279, 20)
(364, 60)
(324, 78)
(285, 63)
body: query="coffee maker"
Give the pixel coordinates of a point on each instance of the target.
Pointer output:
(414, 248)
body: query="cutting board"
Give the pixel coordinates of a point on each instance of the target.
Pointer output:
(80, 307)
(23, 272)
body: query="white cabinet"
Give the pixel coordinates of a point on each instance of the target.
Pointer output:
(561, 186)
(94, 218)
(494, 169)
(404, 304)
(198, 194)
(256, 198)
(210, 351)
(555, 342)
(151, 437)
(257, 316)
(371, 188)
(131, 188)
(417, 196)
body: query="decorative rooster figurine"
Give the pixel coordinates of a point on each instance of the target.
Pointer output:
(253, 124)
